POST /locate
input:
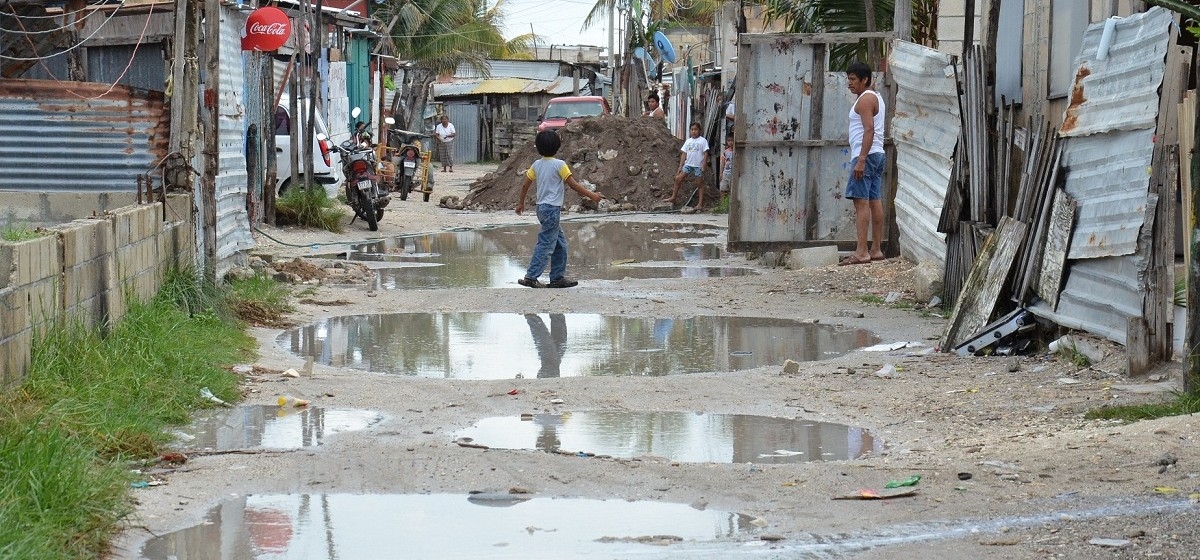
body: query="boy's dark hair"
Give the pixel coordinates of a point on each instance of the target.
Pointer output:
(861, 71)
(697, 125)
(547, 143)
(653, 96)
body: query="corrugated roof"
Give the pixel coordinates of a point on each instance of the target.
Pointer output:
(532, 69)
(458, 88)
(925, 128)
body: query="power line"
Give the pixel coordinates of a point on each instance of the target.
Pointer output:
(64, 26)
(67, 50)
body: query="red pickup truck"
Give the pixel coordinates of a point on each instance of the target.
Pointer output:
(561, 110)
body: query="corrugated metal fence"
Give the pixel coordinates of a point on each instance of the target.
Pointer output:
(233, 223)
(68, 136)
(465, 117)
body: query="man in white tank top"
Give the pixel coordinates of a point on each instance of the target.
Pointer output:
(865, 184)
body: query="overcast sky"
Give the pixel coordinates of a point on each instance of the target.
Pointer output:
(554, 21)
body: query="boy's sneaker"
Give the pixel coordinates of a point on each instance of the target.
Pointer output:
(563, 283)
(532, 283)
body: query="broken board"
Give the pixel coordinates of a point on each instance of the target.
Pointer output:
(1058, 239)
(977, 300)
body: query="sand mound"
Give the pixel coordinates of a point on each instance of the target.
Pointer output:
(630, 160)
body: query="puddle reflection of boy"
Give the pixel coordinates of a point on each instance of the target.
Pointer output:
(550, 344)
(552, 177)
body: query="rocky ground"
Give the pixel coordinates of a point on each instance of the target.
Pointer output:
(1043, 481)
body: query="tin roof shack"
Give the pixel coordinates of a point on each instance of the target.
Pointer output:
(82, 111)
(497, 110)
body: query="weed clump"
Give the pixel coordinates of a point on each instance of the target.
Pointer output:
(309, 207)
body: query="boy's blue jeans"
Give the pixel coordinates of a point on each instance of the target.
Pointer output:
(551, 243)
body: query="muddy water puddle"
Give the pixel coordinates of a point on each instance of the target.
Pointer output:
(510, 345)
(497, 257)
(330, 526)
(678, 436)
(270, 426)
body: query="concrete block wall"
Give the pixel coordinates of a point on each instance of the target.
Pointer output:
(87, 270)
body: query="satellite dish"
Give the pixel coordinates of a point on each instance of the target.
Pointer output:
(663, 45)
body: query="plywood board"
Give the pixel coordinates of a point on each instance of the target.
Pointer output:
(1058, 239)
(977, 300)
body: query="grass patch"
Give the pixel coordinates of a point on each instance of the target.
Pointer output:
(94, 402)
(1182, 404)
(21, 232)
(872, 298)
(309, 207)
(722, 206)
(260, 300)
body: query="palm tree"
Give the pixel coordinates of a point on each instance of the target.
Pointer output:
(436, 36)
(648, 16)
(850, 16)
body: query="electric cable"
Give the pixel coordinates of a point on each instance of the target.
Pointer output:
(72, 47)
(45, 31)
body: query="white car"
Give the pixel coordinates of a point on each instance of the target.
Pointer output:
(327, 164)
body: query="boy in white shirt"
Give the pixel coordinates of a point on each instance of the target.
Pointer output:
(552, 177)
(693, 158)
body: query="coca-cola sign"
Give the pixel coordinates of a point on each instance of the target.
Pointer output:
(267, 29)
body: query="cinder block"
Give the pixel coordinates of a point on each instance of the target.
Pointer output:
(8, 269)
(16, 353)
(36, 259)
(812, 257)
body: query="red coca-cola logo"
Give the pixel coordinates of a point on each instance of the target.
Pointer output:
(267, 29)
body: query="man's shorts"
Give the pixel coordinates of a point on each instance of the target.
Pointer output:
(693, 171)
(870, 187)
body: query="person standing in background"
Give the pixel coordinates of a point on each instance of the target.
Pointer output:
(445, 136)
(865, 185)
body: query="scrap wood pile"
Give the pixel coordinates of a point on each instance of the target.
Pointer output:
(629, 160)
(997, 251)
(1064, 221)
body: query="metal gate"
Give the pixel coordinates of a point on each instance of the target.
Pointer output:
(465, 118)
(791, 146)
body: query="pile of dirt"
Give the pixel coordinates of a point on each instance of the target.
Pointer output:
(302, 268)
(631, 161)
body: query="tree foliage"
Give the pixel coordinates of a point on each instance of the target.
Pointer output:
(437, 36)
(849, 16)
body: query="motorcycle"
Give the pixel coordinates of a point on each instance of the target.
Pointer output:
(360, 166)
(412, 164)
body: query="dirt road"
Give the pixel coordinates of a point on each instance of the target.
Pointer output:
(1037, 480)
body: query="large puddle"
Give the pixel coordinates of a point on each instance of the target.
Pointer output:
(510, 345)
(679, 436)
(497, 257)
(271, 427)
(340, 526)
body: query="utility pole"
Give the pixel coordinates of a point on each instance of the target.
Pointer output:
(313, 88)
(185, 78)
(1191, 343)
(212, 129)
(873, 54)
(902, 19)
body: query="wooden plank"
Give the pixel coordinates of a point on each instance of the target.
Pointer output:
(761, 246)
(977, 300)
(824, 38)
(1187, 140)
(1137, 346)
(1058, 239)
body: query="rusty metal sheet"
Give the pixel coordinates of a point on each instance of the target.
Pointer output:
(458, 88)
(1108, 176)
(925, 127)
(789, 171)
(78, 136)
(1121, 92)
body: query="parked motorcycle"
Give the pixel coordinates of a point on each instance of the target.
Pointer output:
(360, 166)
(412, 164)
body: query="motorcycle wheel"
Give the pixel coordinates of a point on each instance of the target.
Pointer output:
(368, 210)
(405, 183)
(378, 214)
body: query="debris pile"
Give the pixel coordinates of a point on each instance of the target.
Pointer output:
(629, 160)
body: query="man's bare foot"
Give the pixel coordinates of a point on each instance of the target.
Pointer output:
(877, 256)
(671, 200)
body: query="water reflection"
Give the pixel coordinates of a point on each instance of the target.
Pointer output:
(496, 257)
(680, 436)
(497, 346)
(331, 526)
(272, 426)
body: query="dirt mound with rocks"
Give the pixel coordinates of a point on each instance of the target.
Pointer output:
(630, 161)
